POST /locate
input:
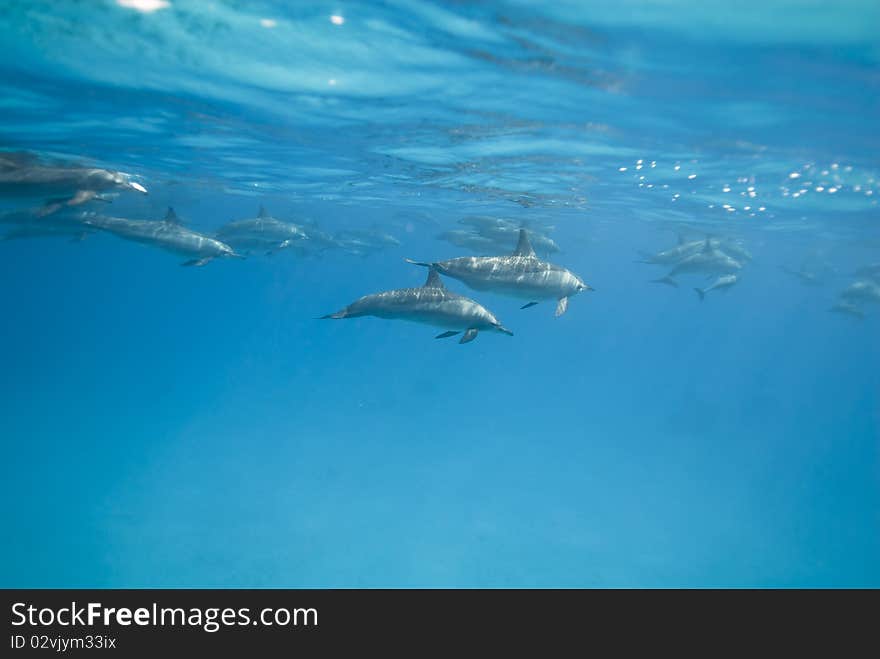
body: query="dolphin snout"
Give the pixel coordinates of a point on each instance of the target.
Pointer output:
(503, 330)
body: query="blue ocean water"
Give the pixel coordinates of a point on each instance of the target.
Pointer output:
(169, 426)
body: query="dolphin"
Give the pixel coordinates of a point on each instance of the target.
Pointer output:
(468, 240)
(686, 248)
(505, 233)
(807, 278)
(36, 223)
(432, 304)
(522, 275)
(22, 175)
(862, 291)
(723, 283)
(709, 260)
(363, 242)
(263, 232)
(168, 234)
(508, 236)
(675, 254)
(849, 309)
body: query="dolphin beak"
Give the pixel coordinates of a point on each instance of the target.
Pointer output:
(503, 330)
(137, 186)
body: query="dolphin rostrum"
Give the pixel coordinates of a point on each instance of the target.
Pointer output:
(22, 175)
(723, 283)
(263, 232)
(521, 275)
(168, 234)
(432, 304)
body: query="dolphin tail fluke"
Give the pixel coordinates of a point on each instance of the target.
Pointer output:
(701, 293)
(446, 335)
(469, 336)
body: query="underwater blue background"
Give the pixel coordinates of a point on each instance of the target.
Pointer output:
(168, 426)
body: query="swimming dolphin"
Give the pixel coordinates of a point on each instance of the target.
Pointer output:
(521, 275)
(263, 232)
(807, 278)
(708, 260)
(168, 234)
(849, 309)
(504, 233)
(468, 240)
(675, 254)
(723, 283)
(432, 304)
(363, 242)
(21, 175)
(862, 291)
(686, 248)
(36, 223)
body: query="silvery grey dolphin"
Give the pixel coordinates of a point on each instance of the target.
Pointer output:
(363, 242)
(709, 260)
(862, 291)
(22, 175)
(504, 233)
(263, 232)
(432, 304)
(521, 275)
(807, 278)
(723, 283)
(686, 248)
(168, 234)
(34, 223)
(848, 309)
(469, 240)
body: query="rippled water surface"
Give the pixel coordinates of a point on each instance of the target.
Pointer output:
(168, 426)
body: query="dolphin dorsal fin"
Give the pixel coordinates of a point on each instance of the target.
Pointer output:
(523, 247)
(171, 216)
(433, 280)
(263, 212)
(707, 247)
(681, 239)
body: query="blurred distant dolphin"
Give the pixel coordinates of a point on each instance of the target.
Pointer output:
(263, 232)
(709, 260)
(723, 283)
(21, 175)
(168, 234)
(432, 304)
(862, 291)
(521, 275)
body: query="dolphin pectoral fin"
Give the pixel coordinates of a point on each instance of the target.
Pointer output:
(446, 335)
(561, 306)
(197, 262)
(528, 304)
(701, 293)
(81, 197)
(469, 336)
